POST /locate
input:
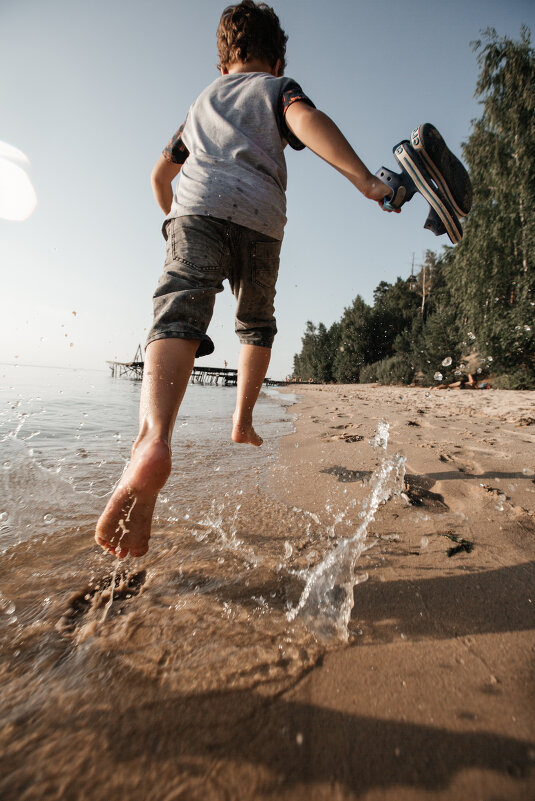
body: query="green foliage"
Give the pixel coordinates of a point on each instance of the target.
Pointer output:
(518, 379)
(396, 369)
(437, 350)
(314, 363)
(477, 299)
(355, 341)
(492, 273)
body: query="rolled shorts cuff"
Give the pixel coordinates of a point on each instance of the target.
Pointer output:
(254, 339)
(206, 346)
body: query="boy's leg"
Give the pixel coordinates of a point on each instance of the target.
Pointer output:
(124, 526)
(252, 368)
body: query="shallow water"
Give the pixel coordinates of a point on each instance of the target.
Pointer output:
(222, 602)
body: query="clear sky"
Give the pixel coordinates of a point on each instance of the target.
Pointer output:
(92, 91)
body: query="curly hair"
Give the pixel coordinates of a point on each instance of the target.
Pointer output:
(249, 30)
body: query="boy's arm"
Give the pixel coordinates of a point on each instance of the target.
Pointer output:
(161, 179)
(318, 132)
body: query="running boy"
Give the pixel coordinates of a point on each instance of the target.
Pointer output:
(225, 220)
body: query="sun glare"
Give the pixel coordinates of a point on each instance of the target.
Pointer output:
(17, 195)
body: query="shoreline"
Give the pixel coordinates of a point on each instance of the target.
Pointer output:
(180, 676)
(434, 697)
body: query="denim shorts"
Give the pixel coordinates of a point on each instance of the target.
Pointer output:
(201, 253)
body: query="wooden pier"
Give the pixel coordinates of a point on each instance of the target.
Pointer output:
(214, 375)
(226, 376)
(129, 369)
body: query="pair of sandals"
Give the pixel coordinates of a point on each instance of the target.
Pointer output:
(430, 168)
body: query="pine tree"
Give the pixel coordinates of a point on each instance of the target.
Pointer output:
(355, 342)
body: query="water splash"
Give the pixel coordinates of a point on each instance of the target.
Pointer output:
(223, 522)
(327, 599)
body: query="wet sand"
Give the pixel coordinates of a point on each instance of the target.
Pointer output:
(191, 683)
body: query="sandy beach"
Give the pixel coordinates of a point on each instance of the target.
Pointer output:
(434, 695)
(190, 682)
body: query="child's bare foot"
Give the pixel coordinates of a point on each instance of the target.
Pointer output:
(124, 526)
(244, 432)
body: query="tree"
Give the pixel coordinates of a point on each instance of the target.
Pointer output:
(319, 346)
(491, 275)
(355, 342)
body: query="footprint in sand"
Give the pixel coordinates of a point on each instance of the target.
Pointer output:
(417, 492)
(347, 476)
(96, 596)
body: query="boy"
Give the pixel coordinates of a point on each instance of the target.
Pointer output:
(226, 220)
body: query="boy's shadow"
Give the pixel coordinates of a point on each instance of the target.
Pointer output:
(481, 602)
(300, 743)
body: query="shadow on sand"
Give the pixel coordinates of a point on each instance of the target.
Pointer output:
(268, 744)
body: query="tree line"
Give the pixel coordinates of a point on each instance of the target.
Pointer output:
(471, 308)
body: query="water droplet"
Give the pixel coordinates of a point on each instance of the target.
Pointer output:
(447, 361)
(6, 465)
(49, 519)
(7, 606)
(299, 738)
(424, 542)
(490, 359)
(470, 335)
(438, 376)
(4, 517)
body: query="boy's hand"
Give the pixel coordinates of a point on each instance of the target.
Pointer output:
(385, 205)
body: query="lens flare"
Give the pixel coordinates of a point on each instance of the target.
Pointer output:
(17, 195)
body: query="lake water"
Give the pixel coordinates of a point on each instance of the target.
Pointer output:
(66, 436)
(121, 673)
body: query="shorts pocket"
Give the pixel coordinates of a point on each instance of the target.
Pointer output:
(265, 263)
(196, 243)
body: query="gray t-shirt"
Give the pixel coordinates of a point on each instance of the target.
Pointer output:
(232, 151)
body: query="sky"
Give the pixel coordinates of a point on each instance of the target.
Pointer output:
(92, 91)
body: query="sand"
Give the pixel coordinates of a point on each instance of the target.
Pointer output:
(190, 683)
(433, 698)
